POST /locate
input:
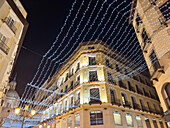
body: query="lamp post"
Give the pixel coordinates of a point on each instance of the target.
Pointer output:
(24, 113)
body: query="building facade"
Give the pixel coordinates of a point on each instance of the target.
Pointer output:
(94, 89)
(151, 21)
(13, 27)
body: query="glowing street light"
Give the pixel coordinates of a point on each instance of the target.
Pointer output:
(24, 113)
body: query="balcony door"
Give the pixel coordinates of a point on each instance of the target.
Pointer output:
(93, 76)
(113, 95)
(154, 60)
(94, 94)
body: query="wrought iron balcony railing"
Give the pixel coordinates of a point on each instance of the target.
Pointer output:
(4, 47)
(131, 88)
(127, 104)
(95, 101)
(136, 106)
(11, 25)
(116, 102)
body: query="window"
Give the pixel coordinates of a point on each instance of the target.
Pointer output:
(167, 94)
(131, 88)
(77, 120)
(108, 63)
(155, 107)
(7, 105)
(94, 94)
(154, 60)
(124, 98)
(65, 106)
(138, 20)
(77, 102)
(165, 12)
(69, 122)
(71, 102)
(129, 119)
(71, 85)
(117, 118)
(126, 72)
(141, 80)
(93, 76)
(10, 22)
(117, 68)
(113, 95)
(96, 118)
(66, 77)
(63, 123)
(91, 47)
(66, 89)
(78, 66)
(154, 123)
(92, 61)
(134, 102)
(58, 124)
(145, 38)
(147, 123)
(139, 121)
(110, 78)
(161, 123)
(121, 84)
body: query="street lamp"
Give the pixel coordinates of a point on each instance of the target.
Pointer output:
(24, 113)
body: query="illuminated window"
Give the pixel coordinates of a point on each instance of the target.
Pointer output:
(77, 120)
(129, 119)
(161, 123)
(63, 123)
(69, 122)
(154, 123)
(117, 118)
(58, 124)
(147, 123)
(139, 121)
(96, 118)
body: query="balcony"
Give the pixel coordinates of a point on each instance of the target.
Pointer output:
(4, 47)
(144, 108)
(95, 101)
(136, 106)
(157, 71)
(92, 62)
(131, 88)
(127, 104)
(116, 102)
(9, 21)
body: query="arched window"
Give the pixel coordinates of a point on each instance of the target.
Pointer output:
(77, 120)
(63, 123)
(129, 119)
(117, 118)
(147, 123)
(161, 123)
(58, 124)
(154, 123)
(69, 122)
(96, 118)
(139, 121)
(167, 94)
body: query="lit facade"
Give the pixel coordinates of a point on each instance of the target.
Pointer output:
(151, 21)
(13, 27)
(95, 90)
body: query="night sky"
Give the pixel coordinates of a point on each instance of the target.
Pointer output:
(45, 21)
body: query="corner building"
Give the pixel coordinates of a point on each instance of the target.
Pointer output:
(94, 90)
(151, 21)
(13, 27)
